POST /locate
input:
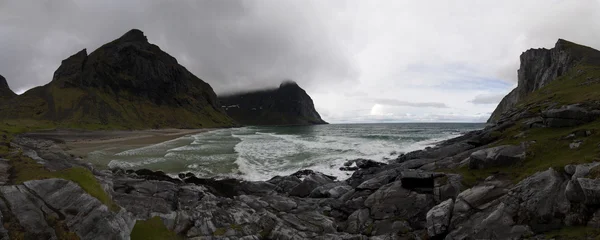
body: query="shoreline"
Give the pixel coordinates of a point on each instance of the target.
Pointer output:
(81, 143)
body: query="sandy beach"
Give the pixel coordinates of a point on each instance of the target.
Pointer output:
(80, 143)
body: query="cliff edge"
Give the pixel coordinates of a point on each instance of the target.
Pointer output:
(539, 67)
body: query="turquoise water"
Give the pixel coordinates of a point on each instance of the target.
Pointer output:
(259, 153)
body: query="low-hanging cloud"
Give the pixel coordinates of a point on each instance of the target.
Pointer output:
(233, 45)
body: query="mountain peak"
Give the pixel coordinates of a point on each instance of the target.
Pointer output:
(5, 91)
(3, 82)
(288, 83)
(133, 35)
(562, 43)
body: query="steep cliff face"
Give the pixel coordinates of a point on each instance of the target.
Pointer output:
(5, 92)
(127, 83)
(287, 105)
(539, 67)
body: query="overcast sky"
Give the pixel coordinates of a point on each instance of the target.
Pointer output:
(361, 61)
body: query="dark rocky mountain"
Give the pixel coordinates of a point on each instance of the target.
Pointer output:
(287, 105)
(5, 92)
(127, 83)
(539, 67)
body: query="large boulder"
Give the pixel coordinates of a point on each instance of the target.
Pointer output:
(393, 200)
(584, 190)
(568, 116)
(504, 155)
(309, 183)
(330, 190)
(438, 218)
(477, 198)
(536, 204)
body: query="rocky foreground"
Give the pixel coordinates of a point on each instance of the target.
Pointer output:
(409, 198)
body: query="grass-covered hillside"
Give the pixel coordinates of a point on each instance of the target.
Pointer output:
(552, 146)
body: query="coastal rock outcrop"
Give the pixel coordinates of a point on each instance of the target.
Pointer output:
(287, 105)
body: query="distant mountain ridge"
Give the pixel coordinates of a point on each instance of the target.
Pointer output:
(127, 83)
(287, 105)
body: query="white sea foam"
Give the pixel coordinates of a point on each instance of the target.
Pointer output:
(260, 153)
(130, 164)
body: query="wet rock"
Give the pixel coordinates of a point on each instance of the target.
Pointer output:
(438, 219)
(307, 172)
(309, 184)
(284, 184)
(376, 182)
(367, 163)
(496, 156)
(331, 190)
(155, 175)
(362, 175)
(280, 204)
(220, 187)
(358, 221)
(348, 169)
(393, 200)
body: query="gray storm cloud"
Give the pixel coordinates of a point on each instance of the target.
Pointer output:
(233, 45)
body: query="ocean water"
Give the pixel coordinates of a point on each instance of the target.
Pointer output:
(260, 153)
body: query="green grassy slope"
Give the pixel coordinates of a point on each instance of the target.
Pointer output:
(581, 85)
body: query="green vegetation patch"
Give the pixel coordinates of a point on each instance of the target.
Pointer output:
(547, 149)
(25, 169)
(152, 229)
